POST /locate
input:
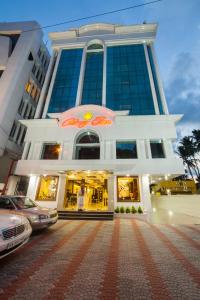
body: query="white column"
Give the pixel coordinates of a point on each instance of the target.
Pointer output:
(104, 76)
(81, 78)
(51, 85)
(148, 149)
(32, 187)
(12, 183)
(111, 196)
(25, 151)
(168, 148)
(145, 193)
(141, 149)
(61, 192)
(160, 86)
(45, 86)
(151, 81)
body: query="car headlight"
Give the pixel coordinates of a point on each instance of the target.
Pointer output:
(43, 217)
(34, 218)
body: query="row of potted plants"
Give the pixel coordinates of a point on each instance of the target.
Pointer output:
(128, 210)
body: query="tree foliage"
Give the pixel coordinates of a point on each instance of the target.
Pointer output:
(189, 150)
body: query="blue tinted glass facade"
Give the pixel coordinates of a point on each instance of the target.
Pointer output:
(128, 86)
(66, 82)
(155, 79)
(93, 79)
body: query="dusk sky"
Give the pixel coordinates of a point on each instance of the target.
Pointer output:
(177, 44)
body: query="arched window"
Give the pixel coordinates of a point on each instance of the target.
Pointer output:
(94, 47)
(87, 146)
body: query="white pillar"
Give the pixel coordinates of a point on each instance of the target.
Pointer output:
(111, 187)
(51, 85)
(153, 91)
(160, 86)
(12, 183)
(32, 187)
(104, 76)
(25, 151)
(148, 149)
(61, 192)
(168, 149)
(45, 86)
(141, 149)
(145, 193)
(81, 78)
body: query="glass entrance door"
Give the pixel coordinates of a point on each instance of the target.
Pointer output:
(86, 190)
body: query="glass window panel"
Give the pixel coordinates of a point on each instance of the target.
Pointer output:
(126, 149)
(47, 188)
(128, 189)
(50, 151)
(92, 85)
(87, 152)
(128, 80)
(157, 149)
(66, 80)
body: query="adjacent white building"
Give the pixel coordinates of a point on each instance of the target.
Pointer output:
(24, 61)
(102, 127)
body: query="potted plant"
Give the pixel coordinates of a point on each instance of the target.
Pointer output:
(140, 211)
(133, 210)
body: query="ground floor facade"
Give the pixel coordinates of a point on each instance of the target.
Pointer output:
(97, 157)
(103, 190)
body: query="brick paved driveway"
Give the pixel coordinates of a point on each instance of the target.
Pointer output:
(123, 259)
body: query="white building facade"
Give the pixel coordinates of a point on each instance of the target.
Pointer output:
(102, 126)
(24, 61)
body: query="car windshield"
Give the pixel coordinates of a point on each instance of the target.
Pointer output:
(23, 202)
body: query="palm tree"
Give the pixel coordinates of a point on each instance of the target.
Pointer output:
(189, 150)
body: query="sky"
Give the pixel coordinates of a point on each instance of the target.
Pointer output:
(177, 44)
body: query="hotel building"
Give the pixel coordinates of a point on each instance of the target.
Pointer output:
(102, 121)
(24, 61)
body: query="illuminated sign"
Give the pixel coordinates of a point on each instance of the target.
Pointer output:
(86, 115)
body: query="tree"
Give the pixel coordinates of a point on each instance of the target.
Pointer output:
(189, 150)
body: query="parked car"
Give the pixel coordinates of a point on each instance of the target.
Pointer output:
(15, 231)
(39, 217)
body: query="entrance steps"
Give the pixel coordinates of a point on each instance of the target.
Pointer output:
(85, 215)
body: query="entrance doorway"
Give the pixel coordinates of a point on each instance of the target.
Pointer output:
(94, 188)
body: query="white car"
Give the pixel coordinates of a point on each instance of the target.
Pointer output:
(15, 231)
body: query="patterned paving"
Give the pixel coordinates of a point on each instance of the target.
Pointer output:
(121, 259)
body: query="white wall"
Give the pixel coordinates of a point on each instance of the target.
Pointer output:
(185, 204)
(4, 51)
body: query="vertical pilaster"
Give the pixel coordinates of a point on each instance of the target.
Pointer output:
(111, 196)
(145, 196)
(81, 78)
(160, 85)
(45, 86)
(61, 192)
(32, 187)
(51, 84)
(25, 151)
(104, 76)
(155, 101)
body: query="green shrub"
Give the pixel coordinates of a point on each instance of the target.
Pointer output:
(122, 210)
(140, 211)
(133, 210)
(128, 210)
(117, 209)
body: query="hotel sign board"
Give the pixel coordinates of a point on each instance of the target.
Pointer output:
(86, 115)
